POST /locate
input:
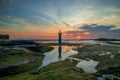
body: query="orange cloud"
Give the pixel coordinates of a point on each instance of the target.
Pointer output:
(86, 33)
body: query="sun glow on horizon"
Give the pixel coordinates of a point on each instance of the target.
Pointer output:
(78, 37)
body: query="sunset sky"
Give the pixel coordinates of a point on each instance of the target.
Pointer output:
(75, 18)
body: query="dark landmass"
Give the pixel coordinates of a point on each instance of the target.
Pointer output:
(17, 42)
(40, 48)
(105, 39)
(4, 37)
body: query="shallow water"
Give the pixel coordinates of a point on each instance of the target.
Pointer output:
(100, 78)
(88, 66)
(52, 56)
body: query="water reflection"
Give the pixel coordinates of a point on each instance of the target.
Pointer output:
(53, 56)
(60, 51)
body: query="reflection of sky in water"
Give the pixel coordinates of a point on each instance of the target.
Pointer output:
(52, 56)
(88, 66)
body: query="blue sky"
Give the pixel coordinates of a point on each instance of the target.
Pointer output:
(49, 16)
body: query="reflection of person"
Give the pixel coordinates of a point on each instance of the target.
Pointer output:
(60, 51)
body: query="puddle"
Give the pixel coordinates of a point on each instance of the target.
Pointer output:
(88, 66)
(52, 56)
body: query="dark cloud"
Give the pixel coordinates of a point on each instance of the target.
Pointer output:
(9, 1)
(75, 32)
(5, 4)
(97, 31)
